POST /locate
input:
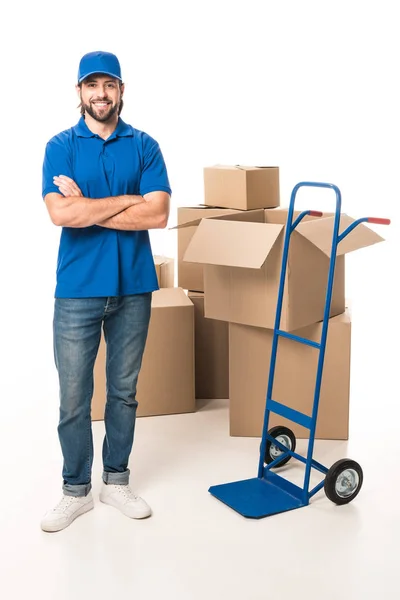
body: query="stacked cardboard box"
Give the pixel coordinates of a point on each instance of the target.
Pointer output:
(294, 384)
(238, 254)
(211, 353)
(244, 189)
(165, 271)
(211, 337)
(166, 379)
(240, 187)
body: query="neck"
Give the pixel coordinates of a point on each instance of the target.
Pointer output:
(104, 130)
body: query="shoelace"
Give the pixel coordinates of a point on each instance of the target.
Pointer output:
(64, 503)
(127, 492)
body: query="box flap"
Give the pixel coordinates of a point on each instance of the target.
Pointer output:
(231, 243)
(319, 232)
(193, 223)
(240, 167)
(170, 297)
(203, 210)
(256, 214)
(159, 260)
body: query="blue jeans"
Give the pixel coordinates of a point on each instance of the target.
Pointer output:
(77, 333)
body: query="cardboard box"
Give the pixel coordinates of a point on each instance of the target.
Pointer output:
(295, 376)
(242, 266)
(211, 353)
(166, 380)
(165, 271)
(190, 276)
(240, 187)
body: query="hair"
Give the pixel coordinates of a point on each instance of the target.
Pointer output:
(120, 83)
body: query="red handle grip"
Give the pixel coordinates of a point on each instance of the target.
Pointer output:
(315, 213)
(378, 221)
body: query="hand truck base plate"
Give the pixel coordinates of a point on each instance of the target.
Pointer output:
(260, 497)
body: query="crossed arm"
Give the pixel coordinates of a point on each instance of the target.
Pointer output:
(71, 209)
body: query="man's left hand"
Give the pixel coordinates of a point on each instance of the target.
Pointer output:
(67, 186)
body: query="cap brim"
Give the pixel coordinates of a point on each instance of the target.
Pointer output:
(99, 73)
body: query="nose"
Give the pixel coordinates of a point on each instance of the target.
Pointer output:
(102, 91)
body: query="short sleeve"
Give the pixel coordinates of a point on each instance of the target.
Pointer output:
(57, 161)
(154, 176)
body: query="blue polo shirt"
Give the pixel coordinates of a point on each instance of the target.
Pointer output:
(96, 261)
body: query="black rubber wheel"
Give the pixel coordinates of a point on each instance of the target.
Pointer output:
(343, 481)
(285, 436)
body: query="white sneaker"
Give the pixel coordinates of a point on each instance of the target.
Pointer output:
(122, 497)
(66, 511)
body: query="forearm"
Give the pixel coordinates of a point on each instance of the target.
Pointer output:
(79, 211)
(148, 214)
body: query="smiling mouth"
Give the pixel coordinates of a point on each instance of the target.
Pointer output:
(101, 104)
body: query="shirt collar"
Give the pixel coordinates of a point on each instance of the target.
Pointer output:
(121, 130)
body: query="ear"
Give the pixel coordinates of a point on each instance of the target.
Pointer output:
(122, 89)
(78, 90)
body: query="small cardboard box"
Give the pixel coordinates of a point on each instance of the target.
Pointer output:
(211, 353)
(295, 376)
(165, 271)
(166, 379)
(240, 187)
(242, 265)
(190, 275)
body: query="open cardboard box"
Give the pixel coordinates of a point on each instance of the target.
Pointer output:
(190, 275)
(242, 255)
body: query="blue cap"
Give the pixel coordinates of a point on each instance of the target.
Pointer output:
(99, 62)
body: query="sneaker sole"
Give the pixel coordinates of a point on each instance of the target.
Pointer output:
(105, 500)
(53, 528)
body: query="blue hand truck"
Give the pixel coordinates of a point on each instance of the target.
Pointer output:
(269, 493)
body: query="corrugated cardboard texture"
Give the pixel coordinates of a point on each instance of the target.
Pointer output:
(190, 276)
(239, 292)
(165, 271)
(166, 379)
(296, 368)
(211, 353)
(242, 188)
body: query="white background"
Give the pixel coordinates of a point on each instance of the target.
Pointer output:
(309, 86)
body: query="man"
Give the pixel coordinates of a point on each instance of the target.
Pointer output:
(106, 184)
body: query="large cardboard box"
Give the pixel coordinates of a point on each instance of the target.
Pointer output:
(166, 380)
(211, 353)
(240, 187)
(242, 266)
(295, 376)
(190, 275)
(165, 271)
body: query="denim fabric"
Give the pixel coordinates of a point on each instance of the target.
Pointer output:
(77, 332)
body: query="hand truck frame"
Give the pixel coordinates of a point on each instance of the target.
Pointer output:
(269, 493)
